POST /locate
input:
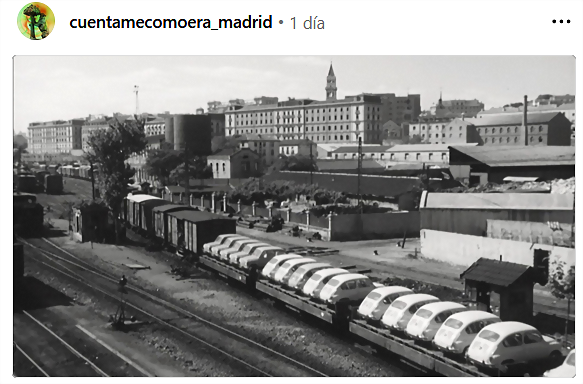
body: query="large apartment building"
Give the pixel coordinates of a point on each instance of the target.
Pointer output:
(330, 121)
(55, 137)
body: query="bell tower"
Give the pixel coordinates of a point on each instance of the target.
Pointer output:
(331, 85)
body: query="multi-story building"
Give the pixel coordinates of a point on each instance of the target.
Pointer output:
(469, 108)
(91, 125)
(265, 146)
(330, 121)
(431, 130)
(554, 100)
(54, 137)
(155, 127)
(568, 109)
(550, 128)
(234, 164)
(298, 147)
(419, 153)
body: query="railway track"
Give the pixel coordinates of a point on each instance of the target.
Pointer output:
(51, 354)
(253, 358)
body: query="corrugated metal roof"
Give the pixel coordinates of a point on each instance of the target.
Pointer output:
(172, 207)
(140, 198)
(510, 155)
(513, 119)
(197, 216)
(502, 201)
(500, 273)
(425, 147)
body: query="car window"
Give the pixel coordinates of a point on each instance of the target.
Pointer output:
(317, 276)
(514, 340)
(333, 283)
(489, 335)
(532, 337)
(424, 313)
(374, 296)
(454, 324)
(351, 284)
(362, 283)
(571, 360)
(442, 317)
(472, 329)
(399, 304)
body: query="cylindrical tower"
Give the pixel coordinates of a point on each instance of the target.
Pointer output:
(193, 131)
(169, 129)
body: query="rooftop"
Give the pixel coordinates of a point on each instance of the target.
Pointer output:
(367, 149)
(513, 119)
(500, 273)
(499, 201)
(194, 216)
(425, 147)
(515, 156)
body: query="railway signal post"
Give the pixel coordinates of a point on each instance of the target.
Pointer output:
(119, 317)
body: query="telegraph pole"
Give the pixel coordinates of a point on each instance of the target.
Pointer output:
(359, 172)
(187, 174)
(136, 89)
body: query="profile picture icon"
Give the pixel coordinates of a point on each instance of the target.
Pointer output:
(36, 21)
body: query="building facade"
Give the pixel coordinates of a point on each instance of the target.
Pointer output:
(155, 127)
(468, 108)
(234, 164)
(90, 126)
(419, 153)
(55, 137)
(265, 146)
(298, 147)
(331, 121)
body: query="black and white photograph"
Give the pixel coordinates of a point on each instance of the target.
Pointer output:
(293, 216)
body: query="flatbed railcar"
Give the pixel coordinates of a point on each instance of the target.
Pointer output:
(186, 230)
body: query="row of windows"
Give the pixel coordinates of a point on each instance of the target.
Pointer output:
(501, 129)
(507, 140)
(291, 120)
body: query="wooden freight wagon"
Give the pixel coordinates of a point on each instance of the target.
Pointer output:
(190, 230)
(147, 214)
(161, 222)
(133, 208)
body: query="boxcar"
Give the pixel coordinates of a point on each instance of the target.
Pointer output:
(190, 230)
(133, 213)
(161, 219)
(53, 184)
(75, 172)
(147, 216)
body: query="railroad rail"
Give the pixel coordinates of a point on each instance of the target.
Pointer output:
(264, 361)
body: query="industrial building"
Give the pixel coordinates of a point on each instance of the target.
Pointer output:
(55, 137)
(492, 164)
(235, 164)
(190, 133)
(300, 147)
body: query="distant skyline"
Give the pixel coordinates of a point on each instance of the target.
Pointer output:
(66, 87)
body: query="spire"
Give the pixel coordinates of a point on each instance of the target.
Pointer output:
(331, 85)
(331, 71)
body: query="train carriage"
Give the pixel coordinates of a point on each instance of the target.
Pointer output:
(133, 211)
(189, 230)
(147, 214)
(161, 219)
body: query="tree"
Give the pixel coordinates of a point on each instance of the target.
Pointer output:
(109, 149)
(415, 139)
(298, 163)
(224, 142)
(562, 284)
(197, 169)
(161, 162)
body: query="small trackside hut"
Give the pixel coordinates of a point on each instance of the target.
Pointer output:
(190, 230)
(502, 288)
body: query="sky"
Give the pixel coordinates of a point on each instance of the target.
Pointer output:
(64, 87)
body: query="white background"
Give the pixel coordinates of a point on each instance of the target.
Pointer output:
(352, 28)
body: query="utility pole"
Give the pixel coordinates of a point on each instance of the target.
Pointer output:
(359, 172)
(311, 166)
(136, 89)
(187, 175)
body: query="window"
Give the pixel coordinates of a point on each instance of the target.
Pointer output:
(350, 284)
(486, 130)
(454, 324)
(430, 156)
(508, 130)
(217, 167)
(224, 167)
(486, 140)
(532, 129)
(489, 335)
(514, 340)
(531, 138)
(418, 156)
(540, 139)
(442, 317)
(515, 129)
(532, 337)
(516, 139)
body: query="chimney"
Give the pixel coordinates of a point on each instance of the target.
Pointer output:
(524, 120)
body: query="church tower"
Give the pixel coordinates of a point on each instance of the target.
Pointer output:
(331, 85)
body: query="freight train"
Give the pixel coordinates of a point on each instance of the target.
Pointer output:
(211, 240)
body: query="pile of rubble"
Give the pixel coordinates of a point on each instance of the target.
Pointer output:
(558, 186)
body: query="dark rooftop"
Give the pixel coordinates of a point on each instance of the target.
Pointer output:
(516, 156)
(197, 216)
(500, 273)
(513, 119)
(172, 207)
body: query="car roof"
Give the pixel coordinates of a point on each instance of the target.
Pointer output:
(311, 266)
(385, 291)
(331, 271)
(470, 316)
(140, 198)
(269, 248)
(415, 298)
(349, 276)
(258, 244)
(442, 306)
(238, 238)
(505, 328)
(286, 256)
(293, 262)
